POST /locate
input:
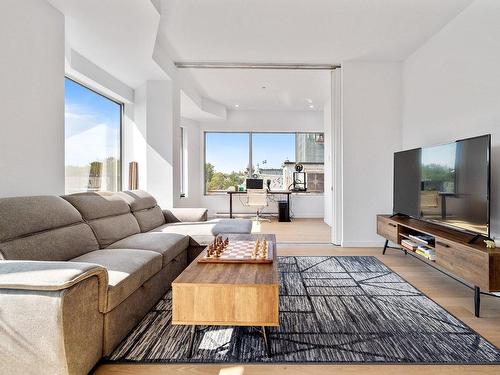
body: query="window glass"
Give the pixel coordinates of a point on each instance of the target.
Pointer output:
(273, 157)
(270, 153)
(310, 147)
(226, 160)
(92, 140)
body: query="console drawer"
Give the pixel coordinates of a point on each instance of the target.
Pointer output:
(465, 262)
(387, 229)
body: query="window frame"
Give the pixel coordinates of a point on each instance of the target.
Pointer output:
(122, 109)
(250, 156)
(183, 163)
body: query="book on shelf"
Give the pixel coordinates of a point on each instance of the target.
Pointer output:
(425, 238)
(409, 245)
(426, 252)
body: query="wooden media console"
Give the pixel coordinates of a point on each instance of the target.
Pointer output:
(472, 262)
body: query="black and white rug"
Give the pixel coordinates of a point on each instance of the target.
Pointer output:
(348, 309)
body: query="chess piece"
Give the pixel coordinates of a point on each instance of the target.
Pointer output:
(255, 251)
(211, 250)
(264, 249)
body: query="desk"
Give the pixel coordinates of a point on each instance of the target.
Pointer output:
(272, 192)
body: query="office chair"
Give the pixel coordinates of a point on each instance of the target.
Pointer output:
(257, 198)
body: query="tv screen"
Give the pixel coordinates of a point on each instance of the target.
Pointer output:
(448, 184)
(407, 182)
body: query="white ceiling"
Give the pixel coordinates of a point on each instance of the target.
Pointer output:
(284, 89)
(116, 35)
(119, 37)
(312, 31)
(293, 31)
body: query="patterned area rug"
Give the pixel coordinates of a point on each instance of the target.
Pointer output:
(349, 309)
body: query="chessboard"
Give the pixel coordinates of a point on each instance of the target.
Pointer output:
(238, 251)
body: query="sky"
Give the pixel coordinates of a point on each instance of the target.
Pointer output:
(229, 152)
(92, 125)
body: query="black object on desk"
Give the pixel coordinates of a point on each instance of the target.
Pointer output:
(254, 183)
(274, 192)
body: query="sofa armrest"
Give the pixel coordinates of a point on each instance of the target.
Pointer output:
(176, 215)
(51, 276)
(51, 315)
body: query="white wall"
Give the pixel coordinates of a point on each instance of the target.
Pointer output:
(452, 87)
(302, 205)
(31, 98)
(150, 139)
(371, 134)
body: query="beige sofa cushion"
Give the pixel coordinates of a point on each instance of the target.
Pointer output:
(144, 207)
(20, 216)
(42, 228)
(202, 233)
(111, 229)
(169, 245)
(95, 205)
(107, 214)
(57, 244)
(185, 215)
(138, 199)
(127, 270)
(149, 218)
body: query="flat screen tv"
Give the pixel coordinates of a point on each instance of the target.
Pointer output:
(447, 184)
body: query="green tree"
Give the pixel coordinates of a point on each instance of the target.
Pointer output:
(209, 171)
(221, 181)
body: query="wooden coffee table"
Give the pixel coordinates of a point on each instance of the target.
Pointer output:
(228, 294)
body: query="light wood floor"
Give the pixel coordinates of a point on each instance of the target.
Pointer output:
(299, 230)
(450, 294)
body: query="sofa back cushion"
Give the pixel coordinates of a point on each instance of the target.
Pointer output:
(42, 228)
(145, 209)
(108, 215)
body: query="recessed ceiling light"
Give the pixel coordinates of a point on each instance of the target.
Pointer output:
(309, 101)
(237, 105)
(311, 106)
(264, 87)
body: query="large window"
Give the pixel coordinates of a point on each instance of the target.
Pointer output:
(92, 140)
(232, 157)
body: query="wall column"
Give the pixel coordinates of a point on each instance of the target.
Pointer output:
(157, 113)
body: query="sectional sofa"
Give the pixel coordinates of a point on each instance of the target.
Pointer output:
(78, 272)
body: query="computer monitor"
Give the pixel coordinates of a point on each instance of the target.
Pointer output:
(255, 183)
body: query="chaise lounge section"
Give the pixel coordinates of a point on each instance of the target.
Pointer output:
(78, 272)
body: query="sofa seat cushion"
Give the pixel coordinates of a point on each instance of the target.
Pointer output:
(127, 270)
(169, 245)
(202, 233)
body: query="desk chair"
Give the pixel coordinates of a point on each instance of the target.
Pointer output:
(257, 198)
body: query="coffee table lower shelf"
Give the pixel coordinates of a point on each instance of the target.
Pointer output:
(263, 329)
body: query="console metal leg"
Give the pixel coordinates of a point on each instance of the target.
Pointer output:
(267, 343)
(385, 246)
(191, 341)
(477, 300)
